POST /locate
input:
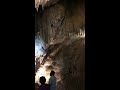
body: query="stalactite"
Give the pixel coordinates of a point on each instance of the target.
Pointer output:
(54, 23)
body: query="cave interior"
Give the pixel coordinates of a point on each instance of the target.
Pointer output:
(60, 43)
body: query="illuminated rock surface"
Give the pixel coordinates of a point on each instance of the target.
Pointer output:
(63, 24)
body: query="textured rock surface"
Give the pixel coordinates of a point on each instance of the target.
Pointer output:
(57, 22)
(44, 3)
(60, 19)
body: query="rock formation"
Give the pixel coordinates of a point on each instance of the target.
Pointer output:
(62, 24)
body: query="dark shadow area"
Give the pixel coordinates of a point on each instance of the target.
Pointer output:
(74, 61)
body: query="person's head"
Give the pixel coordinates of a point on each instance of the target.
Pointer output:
(52, 73)
(42, 80)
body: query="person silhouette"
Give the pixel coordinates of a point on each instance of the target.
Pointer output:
(52, 81)
(43, 85)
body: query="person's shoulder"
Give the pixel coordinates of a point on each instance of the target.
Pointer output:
(54, 77)
(47, 86)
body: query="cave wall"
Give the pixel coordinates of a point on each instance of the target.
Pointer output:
(73, 72)
(61, 19)
(56, 22)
